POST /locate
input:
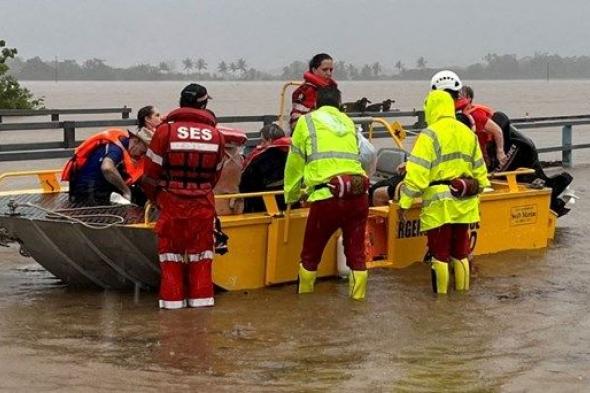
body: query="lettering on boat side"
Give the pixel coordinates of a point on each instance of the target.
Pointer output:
(522, 215)
(411, 228)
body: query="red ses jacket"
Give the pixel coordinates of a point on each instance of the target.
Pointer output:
(185, 156)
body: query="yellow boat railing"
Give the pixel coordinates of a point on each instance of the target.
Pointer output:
(48, 179)
(282, 100)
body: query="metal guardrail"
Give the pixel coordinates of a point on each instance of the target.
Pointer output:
(55, 113)
(65, 147)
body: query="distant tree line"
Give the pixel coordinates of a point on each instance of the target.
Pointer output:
(492, 66)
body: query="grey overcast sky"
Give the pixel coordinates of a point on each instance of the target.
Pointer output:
(272, 33)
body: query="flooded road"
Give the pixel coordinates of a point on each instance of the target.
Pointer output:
(524, 327)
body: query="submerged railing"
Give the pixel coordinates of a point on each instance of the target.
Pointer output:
(68, 141)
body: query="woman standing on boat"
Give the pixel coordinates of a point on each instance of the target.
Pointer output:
(319, 75)
(447, 171)
(183, 164)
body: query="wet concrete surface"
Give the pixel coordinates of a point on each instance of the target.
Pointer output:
(524, 327)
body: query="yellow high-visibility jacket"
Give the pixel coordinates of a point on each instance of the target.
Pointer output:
(323, 145)
(447, 149)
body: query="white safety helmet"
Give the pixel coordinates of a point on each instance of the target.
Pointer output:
(446, 80)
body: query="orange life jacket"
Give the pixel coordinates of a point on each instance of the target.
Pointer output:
(134, 169)
(489, 111)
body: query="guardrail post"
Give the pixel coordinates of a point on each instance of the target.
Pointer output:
(55, 117)
(266, 120)
(69, 134)
(125, 112)
(420, 120)
(566, 141)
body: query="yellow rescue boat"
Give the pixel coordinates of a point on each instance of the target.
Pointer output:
(115, 246)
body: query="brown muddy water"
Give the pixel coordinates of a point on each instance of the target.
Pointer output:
(524, 326)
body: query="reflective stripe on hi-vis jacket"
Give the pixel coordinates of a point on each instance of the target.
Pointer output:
(446, 150)
(323, 145)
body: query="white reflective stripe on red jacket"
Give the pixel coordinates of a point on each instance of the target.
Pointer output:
(201, 256)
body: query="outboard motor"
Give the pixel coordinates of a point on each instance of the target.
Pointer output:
(521, 152)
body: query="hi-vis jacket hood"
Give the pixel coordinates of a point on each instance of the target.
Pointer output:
(444, 151)
(438, 104)
(324, 144)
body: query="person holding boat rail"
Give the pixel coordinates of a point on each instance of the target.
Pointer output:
(325, 157)
(107, 162)
(319, 75)
(182, 166)
(447, 171)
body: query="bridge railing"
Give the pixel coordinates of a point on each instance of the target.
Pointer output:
(55, 113)
(65, 146)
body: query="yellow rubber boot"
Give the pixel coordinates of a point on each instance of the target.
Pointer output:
(357, 284)
(461, 268)
(440, 276)
(306, 280)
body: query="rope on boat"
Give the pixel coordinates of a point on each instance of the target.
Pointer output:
(78, 218)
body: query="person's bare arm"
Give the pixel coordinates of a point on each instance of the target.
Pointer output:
(494, 129)
(110, 172)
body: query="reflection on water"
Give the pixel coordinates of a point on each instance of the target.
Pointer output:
(524, 326)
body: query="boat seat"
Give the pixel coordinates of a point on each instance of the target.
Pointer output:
(388, 159)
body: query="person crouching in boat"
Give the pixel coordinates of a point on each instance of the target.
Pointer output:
(182, 166)
(447, 171)
(304, 97)
(107, 162)
(492, 139)
(264, 167)
(325, 156)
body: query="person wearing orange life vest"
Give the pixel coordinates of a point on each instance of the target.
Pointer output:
(304, 97)
(489, 134)
(107, 162)
(182, 166)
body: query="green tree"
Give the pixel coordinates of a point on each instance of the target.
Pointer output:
(12, 95)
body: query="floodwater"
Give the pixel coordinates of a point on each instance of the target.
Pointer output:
(524, 326)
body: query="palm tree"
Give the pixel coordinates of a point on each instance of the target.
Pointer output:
(421, 62)
(233, 67)
(241, 64)
(222, 67)
(188, 64)
(376, 67)
(201, 64)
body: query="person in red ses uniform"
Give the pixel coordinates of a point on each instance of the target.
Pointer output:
(183, 164)
(304, 97)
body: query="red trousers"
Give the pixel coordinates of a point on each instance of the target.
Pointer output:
(449, 240)
(325, 217)
(185, 247)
